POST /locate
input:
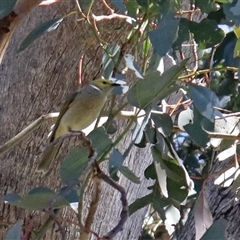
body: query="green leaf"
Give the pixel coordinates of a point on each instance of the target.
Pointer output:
(204, 99)
(11, 197)
(206, 33)
(146, 47)
(223, 1)
(206, 6)
(183, 36)
(73, 165)
(6, 6)
(176, 191)
(143, 3)
(100, 140)
(150, 172)
(115, 162)
(84, 4)
(163, 37)
(155, 63)
(71, 195)
(195, 130)
(110, 59)
(159, 203)
(162, 178)
(129, 174)
(162, 146)
(39, 31)
(40, 198)
(140, 203)
(150, 134)
(216, 231)
(138, 132)
(119, 4)
(143, 93)
(132, 8)
(231, 12)
(163, 123)
(237, 49)
(172, 179)
(15, 231)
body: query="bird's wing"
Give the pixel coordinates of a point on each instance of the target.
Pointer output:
(64, 108)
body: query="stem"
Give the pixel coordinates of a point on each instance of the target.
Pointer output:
(29, 129)
(194, 74)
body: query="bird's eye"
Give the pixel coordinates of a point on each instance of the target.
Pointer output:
(104, 82)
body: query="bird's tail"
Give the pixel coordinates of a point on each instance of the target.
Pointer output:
(47, 158)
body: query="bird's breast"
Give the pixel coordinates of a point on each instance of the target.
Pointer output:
(81, 113)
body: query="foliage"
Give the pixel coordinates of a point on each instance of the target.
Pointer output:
(180, 160)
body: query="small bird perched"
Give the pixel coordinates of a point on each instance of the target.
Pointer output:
(77, 113)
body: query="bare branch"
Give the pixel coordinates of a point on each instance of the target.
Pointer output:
(20, 136)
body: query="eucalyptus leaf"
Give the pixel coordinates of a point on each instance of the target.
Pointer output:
(216, 230)
(129, 174)
(109, 60)
(183, 36)
(159, 204)
(119, 4)
(132, 8)
(69, 194)
(195, 129)
(177, 191)
(100, 141)
(115, 162)
(138, 132)
(206, 6)
(150, 172)
(163, 37)
(143, 93)
(205, 101)
(73, 165)
(6, 6)
(162, 178)
(231, 12)
(140, 203)
(163, 122)
(39, 31)
(11, 197)
(206, 33)
(40, 198)
(15, 231)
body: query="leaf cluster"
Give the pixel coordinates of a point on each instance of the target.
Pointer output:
(181, 160)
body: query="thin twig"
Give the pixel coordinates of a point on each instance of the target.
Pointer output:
(60, 227)
(93, 206)
(108, 7)
(80, 71)
(200, 72)
(124, 212)
(29, 129)
(112, 16)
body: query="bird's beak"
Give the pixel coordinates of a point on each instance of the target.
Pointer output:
(116, 84)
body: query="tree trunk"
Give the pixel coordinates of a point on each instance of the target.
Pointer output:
(35, 82)
(222, 205)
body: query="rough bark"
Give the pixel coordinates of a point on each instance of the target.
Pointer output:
(222, 204)
(35, 82)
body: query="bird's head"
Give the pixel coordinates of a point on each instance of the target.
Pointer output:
(104, 84)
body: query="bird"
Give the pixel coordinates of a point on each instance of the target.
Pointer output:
(78, 112)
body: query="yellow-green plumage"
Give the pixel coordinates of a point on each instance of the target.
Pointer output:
(77, 113)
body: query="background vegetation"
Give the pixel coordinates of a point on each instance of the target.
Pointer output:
(181, 65)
